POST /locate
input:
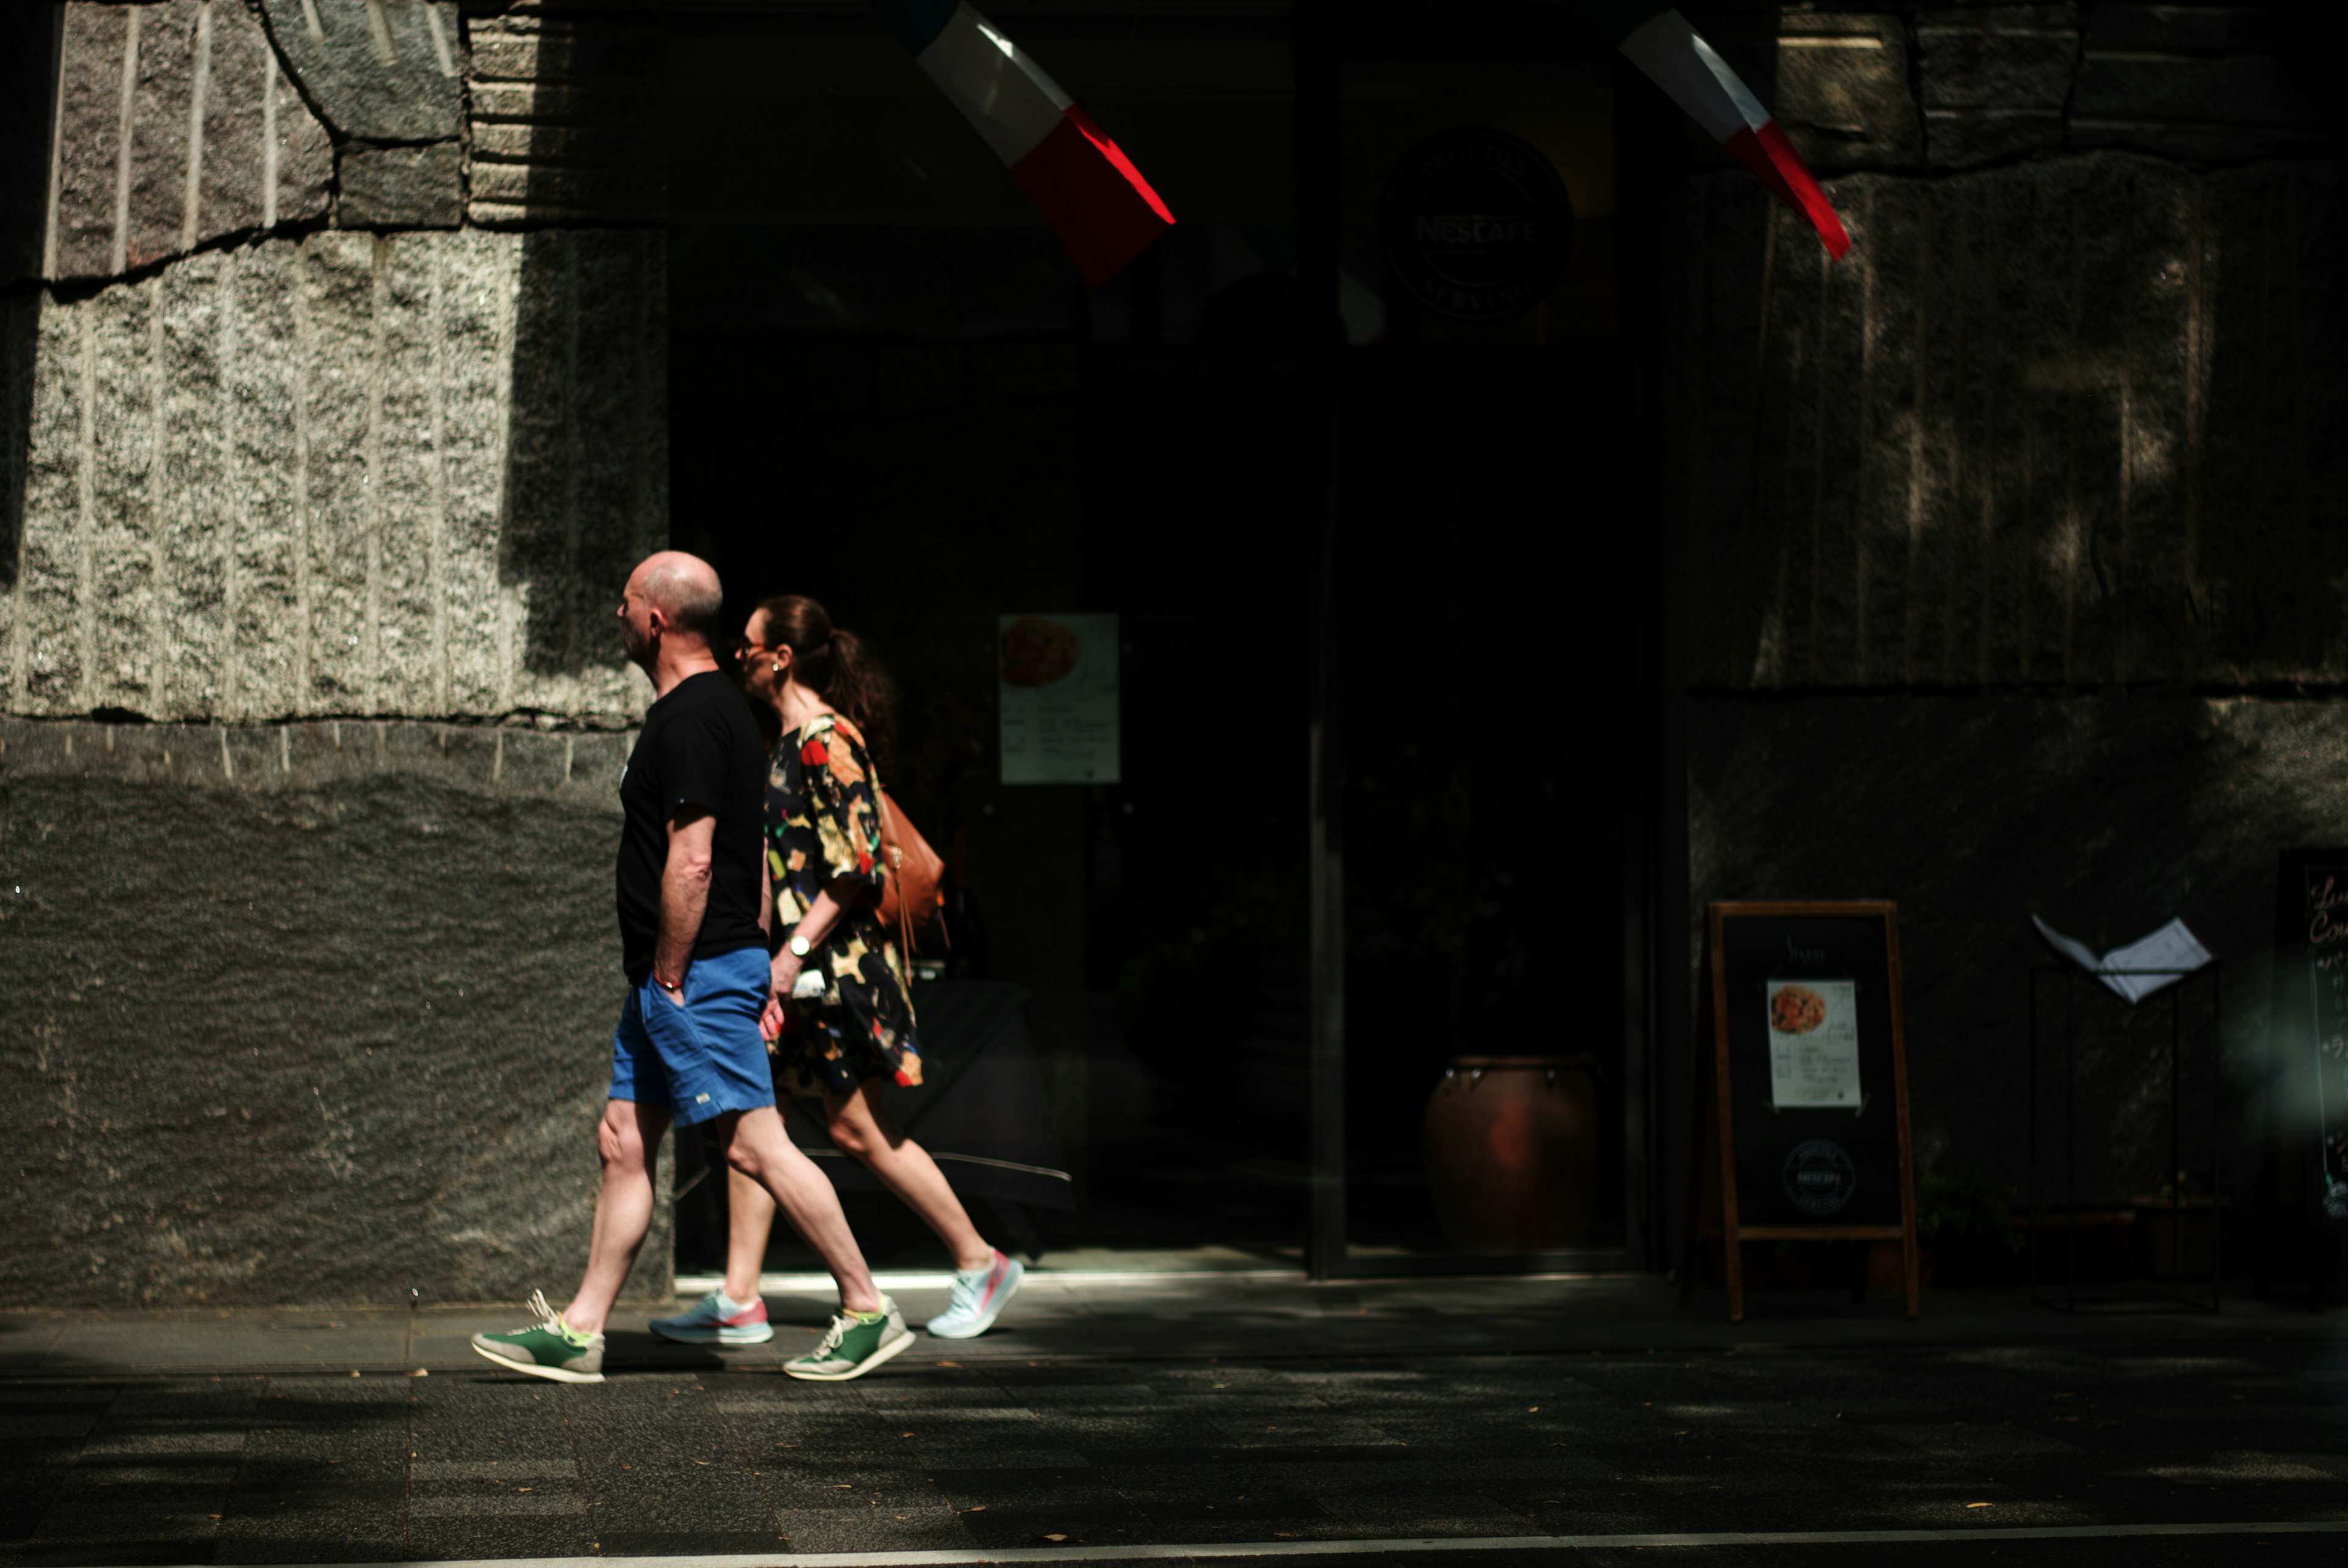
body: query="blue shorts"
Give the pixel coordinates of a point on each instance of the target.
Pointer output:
(705, 1058)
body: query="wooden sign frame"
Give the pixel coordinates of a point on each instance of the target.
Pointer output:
(1715, 1106)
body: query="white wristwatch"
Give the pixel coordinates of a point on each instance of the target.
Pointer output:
(799, 946)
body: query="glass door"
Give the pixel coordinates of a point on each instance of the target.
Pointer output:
(1489, 701)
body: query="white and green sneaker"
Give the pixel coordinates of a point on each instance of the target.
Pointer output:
(854, 1343)
(548, 1348)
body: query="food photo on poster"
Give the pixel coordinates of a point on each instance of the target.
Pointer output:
(1813, 1044)
(1057, 686)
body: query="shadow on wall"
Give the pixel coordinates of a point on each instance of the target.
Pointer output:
(586, 484)
(2035, 430)
(28, 54)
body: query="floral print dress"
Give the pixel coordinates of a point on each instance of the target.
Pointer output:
(823, 830)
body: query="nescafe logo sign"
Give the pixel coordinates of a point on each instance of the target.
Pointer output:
(1820, 1177)
(1476, 225)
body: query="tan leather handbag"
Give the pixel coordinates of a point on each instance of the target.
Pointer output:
(910, 869)
(910, 896)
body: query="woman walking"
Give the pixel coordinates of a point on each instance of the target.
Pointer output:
(844, 1035)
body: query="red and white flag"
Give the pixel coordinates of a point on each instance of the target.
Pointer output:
(1660, 42)
(1102, 209)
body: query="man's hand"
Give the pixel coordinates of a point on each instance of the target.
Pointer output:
(684, 895)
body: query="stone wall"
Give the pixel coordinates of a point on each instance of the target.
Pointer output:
(352, 473)
(304, 1012)
(176, 127)
(2050, 421)
(2015, 541)
(324, 396)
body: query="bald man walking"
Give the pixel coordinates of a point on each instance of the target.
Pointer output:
(693, 939)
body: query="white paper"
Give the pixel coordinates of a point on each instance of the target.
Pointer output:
(1814, 1058)
(1057, 676)
(2173, 947)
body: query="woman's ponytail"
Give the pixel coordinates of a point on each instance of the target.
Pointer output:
(835, 665)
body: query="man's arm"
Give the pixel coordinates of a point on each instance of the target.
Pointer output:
(684, 895)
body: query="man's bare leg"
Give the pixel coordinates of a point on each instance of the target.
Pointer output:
(859, 1128)
(628, 1139)
(757, 1147)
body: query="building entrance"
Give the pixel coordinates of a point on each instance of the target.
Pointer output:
(1302, 501)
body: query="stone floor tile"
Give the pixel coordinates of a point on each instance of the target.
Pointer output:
(1083, 1515)
(337, 1543)
(990, 1456)
(1211, 1524)
(861, 1529)
(118, 1552)
(1089, 1430)
(630, 1541)
(1420, 1511)
(895, 1488)
(1302, 1429)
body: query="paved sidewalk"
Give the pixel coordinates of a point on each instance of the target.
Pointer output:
(1203, 1410)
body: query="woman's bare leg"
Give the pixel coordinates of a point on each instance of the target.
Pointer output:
(757, 1145)
(859, 1128)
(749, 1215)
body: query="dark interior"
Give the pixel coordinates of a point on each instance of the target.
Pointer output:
(896, 395)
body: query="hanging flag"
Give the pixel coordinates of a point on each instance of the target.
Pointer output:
(1096, 200)
(1659, 42)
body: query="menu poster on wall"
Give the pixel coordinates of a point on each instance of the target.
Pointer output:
(1813, 1044)
(1056, 678)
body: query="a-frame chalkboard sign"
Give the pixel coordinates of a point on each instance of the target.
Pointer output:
(1803, 1096)
(2311, 1033)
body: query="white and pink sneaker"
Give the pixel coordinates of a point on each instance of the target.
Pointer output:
(718, 1319)
(979, 1296)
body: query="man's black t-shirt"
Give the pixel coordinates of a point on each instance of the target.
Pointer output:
(699, 748)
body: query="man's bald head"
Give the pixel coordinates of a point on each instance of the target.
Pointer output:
(684, 588)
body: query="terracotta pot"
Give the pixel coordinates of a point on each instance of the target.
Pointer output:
(1511, 1148)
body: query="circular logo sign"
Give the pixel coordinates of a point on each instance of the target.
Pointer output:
(1820, 1177)
(1476, 225)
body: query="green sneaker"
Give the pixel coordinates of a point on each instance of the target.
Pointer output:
(548, 1348)
(853, 1346)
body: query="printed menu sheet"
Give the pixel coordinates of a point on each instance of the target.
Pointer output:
(2136, 970)
(1813, 1044)
(1058, 678)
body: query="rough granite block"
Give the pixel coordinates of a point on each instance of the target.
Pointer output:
(389, 977)
(377, 72)
(1994, 81)
(402, 187)
(265, 656)
(2162, 29)
(197, 499)
(397, 473)
(2252, 92)
(174, 48)
(338, 280)
(256, 154)
(1965, 139)
(2188, 142)
(2004, 58)
(1842, 93)
(89, 137)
